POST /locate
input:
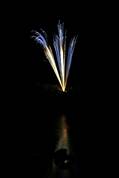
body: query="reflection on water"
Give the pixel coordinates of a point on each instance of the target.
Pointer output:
(55, 136)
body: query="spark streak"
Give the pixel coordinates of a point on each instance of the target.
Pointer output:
(62, 67)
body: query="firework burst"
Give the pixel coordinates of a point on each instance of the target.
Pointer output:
(61, 65)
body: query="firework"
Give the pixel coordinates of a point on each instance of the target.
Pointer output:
(61, 65)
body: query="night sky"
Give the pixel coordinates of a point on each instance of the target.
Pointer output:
(38, 105)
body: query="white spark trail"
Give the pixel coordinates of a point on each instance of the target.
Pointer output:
(59, 42)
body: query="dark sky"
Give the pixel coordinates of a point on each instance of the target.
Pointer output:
(38, 108)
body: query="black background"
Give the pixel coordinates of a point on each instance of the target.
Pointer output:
(35, 110)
